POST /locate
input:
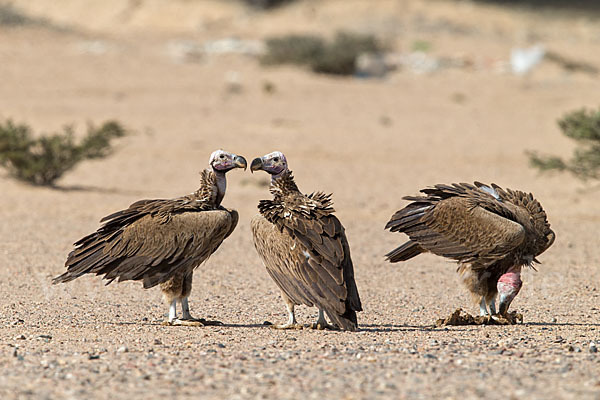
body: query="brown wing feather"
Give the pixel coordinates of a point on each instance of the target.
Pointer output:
(149, 248)
(459, 222)
(309, 259)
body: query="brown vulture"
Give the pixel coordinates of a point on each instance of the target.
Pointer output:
(489, 231)
(161, 242)
(304, 249)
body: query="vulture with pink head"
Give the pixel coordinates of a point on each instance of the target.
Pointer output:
(304, 249)
(162, 241)
(491, 232)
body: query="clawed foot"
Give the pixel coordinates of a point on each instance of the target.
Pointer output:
(323, 326)
(288, 326)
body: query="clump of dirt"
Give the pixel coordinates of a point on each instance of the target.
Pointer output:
(460, 317)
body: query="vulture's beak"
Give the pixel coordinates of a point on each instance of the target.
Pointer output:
(240, 162)
(256, 165)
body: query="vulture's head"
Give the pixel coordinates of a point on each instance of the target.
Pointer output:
(508, 287)
(274, 163)
(224, 161)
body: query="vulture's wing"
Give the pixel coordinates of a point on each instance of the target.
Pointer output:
(149, 247)
(309, 259)
(460, 222)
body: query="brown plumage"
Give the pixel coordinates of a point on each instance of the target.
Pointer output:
(489, 231)
(161, 241)
(305, 251)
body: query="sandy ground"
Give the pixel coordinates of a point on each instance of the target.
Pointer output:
(368, 141)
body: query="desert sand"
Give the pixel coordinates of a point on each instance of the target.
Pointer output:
(368, 141)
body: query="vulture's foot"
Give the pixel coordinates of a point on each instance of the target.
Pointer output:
(288, 326)
(324, 326)
(509, 318)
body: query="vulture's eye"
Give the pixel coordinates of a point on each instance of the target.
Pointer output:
(222, 156)
(276, 159)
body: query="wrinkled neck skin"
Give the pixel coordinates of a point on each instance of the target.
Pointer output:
(274, 177)
(221, 186)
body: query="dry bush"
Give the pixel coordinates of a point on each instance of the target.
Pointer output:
(334, 57)
(44, 159)
(583, 126)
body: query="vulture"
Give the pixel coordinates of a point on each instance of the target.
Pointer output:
(491, 232)
(304, 249)
(162, 241)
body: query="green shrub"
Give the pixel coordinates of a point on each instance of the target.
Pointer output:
(583, 126)
(335, 57)
(340, 55)
(293, 49)
(42, 160)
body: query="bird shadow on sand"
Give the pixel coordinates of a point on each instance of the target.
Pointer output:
(550, 324)
(395, 328)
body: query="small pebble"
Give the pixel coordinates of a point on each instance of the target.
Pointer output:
(93, 357)
(122, 349)
(267, 323)
(593, 347)
(20, 337)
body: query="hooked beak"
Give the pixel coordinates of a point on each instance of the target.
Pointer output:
(257, 164)
(240, 162)
(503, 304)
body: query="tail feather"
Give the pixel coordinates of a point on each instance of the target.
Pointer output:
(405, 252)
(347, 321)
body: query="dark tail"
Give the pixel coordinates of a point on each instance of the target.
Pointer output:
(405, 252)
(346, 321)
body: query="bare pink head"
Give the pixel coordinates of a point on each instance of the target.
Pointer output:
(508, 287)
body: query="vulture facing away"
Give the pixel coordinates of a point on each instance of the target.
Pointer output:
(161, 242)
(491, 232)
(304, 249)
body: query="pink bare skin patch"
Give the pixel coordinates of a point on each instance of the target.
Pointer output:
(508, 287)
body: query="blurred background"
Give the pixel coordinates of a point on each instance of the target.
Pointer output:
(105, 102)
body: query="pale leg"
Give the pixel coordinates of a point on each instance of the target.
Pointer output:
(482, 308)
(291, 323)
(185, 308)
(173, 311)
(322, 322)
(186, 320)
(492, 306)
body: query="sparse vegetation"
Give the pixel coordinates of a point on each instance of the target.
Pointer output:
(44, 159)
(334, 57)
(583, 126)
(12, 17)
(293, 49)
(266, 4)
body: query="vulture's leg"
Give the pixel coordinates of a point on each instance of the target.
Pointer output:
(322, 323)
(173, 311)
(184, 321)
(187, 318)
(179, 287)
(492, 305)
(291, 324)
(483, 308)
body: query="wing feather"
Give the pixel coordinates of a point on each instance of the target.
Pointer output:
(149, 247)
